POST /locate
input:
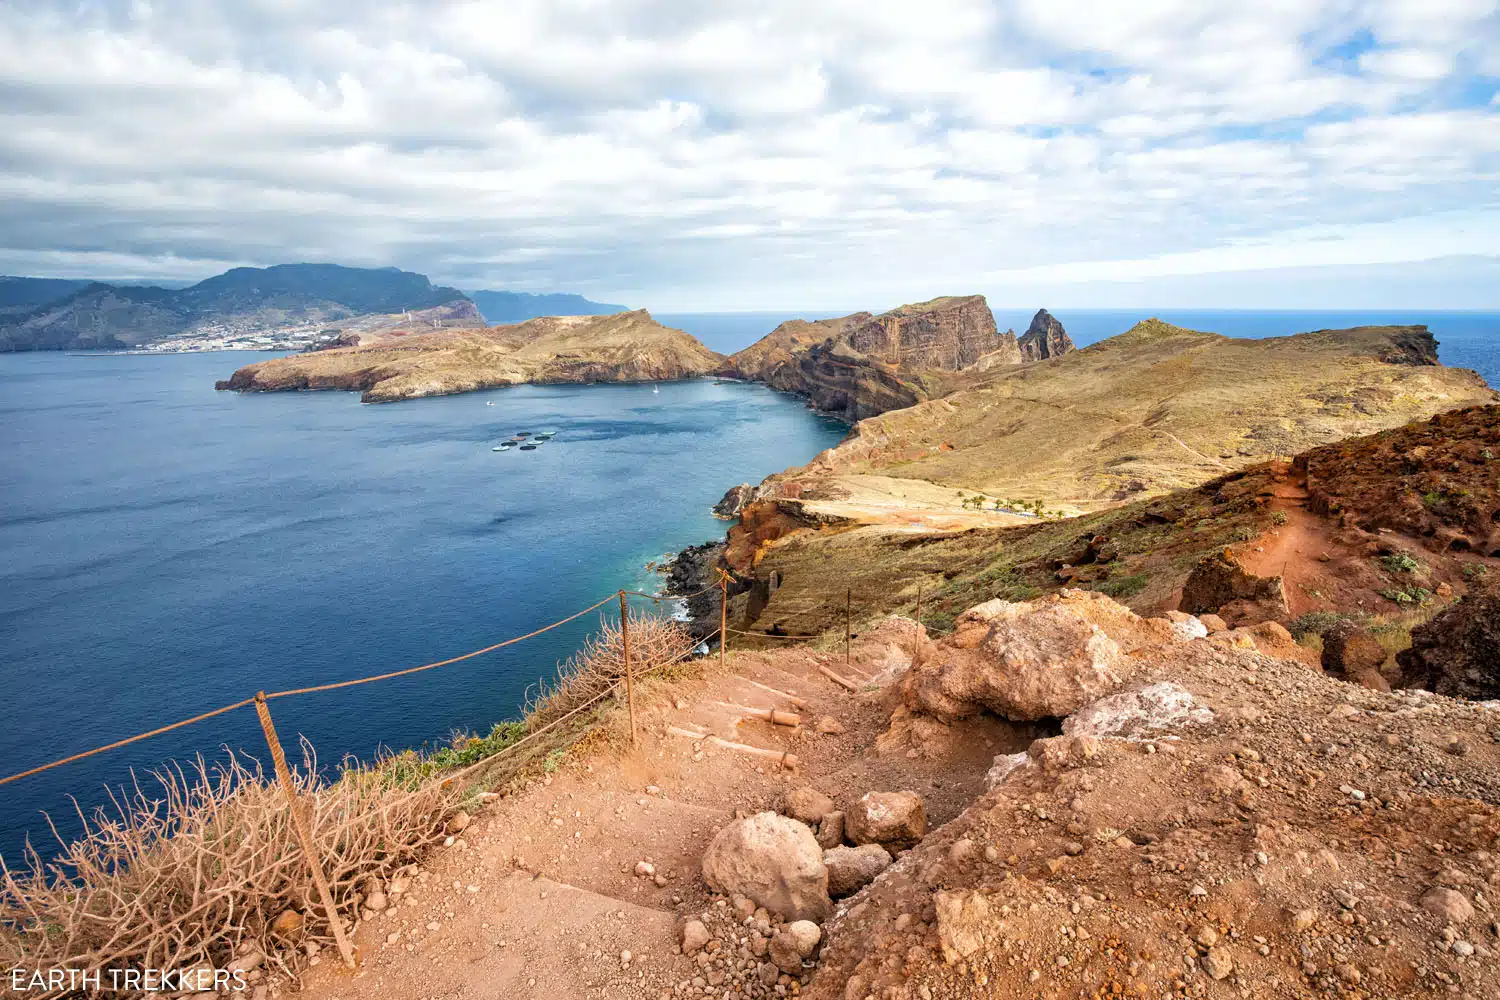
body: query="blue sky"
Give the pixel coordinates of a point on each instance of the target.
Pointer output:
(749, 155)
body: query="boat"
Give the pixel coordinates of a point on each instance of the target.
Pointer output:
(656, 388)
(503, 446)
(490, 403)
(544, 436)
(528, 447)
(521, 434)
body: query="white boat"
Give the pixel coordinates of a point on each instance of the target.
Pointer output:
(490, 403)
(656, 388)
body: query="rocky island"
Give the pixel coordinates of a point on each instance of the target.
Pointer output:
(406, 364)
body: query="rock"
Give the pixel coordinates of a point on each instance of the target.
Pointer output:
(895, 820)
(1457, 652)
(733, 501)
(829, 726)
(774, 861)
(961, 918)
(1206, 936)
(1213, 623)
(850, 869)
(458, 822)
(287, 924)
(694, 937)
(805, 936)
(784, 952)
(1045, 338)
(1158, 707)
(1186, 627)
(1352, 653)
(1218, 963)
(808, 805)
(645, 869)
(247, 962)
(1447, 904)
(831, 830)
(1220, 584)
(400, 884)
(1020, 661)
(376, 901)
(1301, 920)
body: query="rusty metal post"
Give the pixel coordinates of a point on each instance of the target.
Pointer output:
(629, 671)
(299, 824)
(848, 606)
(723, 614)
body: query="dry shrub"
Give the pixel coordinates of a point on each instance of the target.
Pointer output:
(592, 672)
(193, 869)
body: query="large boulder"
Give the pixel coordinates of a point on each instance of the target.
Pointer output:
(1020, 661)
(808, 805)
(850, 869)
(894, 820)
(1457, 653)
(1352, 653)
(772, 860)
(1221, 585)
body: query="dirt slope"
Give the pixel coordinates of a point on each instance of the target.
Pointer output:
(392, 365)
(1281, 838)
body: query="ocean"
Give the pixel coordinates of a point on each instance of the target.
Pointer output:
(169, 549)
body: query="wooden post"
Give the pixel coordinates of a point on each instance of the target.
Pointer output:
(848, 604)
(299, 824)
(629, 671)
(917, 632)
(723, 614)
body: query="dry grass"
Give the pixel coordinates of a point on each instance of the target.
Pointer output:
(599, 667)
(191, 868)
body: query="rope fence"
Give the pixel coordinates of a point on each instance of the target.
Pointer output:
(297, 802)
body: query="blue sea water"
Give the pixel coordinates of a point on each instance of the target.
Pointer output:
(169, 549)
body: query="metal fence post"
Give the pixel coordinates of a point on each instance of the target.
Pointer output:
(919, 610)
(629, 672)
(723, 614)
(299, 824)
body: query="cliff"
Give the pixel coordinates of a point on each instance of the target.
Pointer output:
(397, 364)
(861, 365)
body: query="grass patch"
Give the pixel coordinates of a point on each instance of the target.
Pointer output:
(1124, 586)
(1400, 562)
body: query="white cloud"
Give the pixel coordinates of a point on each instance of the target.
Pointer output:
(740, 154)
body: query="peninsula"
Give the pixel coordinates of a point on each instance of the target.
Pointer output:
(406, 364)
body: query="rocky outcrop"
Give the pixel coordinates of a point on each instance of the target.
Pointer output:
(625, 347)
(1457, 652)
(1220, 584)
(1019, 661)
(1352, 653)
(729, 506)
(692, 575)
(772, 860)
(860, 365)
(1045, 338)
(894, 820)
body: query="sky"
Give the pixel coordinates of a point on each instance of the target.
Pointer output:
(758, 154)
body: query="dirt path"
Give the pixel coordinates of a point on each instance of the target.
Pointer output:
(540, 896)
(1292, 549)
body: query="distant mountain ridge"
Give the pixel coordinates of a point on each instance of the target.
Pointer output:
(517, 307)
(57, 315)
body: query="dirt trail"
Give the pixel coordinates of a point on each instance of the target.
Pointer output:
(1292, 549)
(539, 897)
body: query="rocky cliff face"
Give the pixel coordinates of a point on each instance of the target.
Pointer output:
(861, 365)
(1045, 338)
(625, 347)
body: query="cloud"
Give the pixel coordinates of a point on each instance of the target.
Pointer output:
(824, 153)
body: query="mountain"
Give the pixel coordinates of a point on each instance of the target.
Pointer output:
(517, 307)
(861, 365)
(24, 294)
(1045, 338)
(241, 301)
(400, 364)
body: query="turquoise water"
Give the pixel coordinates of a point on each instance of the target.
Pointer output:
(169, 549)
